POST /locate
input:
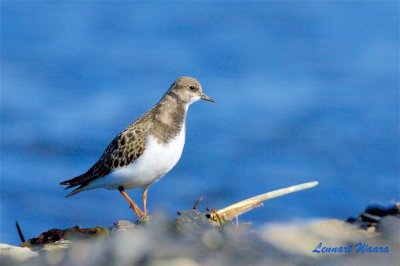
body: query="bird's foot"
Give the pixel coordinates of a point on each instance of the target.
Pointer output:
(144, 221)
(140, 215)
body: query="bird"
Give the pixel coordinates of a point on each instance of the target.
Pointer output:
(147, 149)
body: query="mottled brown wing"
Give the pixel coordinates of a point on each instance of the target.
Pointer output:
(123, 150)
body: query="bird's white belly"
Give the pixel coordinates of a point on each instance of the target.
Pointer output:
(156, 160)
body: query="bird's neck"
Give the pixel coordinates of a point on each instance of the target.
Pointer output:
(169, 117)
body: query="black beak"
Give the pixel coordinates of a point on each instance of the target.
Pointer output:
(206, 98)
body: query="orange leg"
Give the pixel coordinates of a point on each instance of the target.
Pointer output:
(135, 208)
(144, 200)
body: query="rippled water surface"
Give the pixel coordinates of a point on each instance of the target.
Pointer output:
(305, 91)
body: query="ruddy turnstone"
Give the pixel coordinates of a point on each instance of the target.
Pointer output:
(147, 149)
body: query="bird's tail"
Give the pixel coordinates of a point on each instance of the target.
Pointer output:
(74, 182)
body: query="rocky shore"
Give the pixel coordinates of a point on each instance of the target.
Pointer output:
(372, 238)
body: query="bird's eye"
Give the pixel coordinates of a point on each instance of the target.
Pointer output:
(192, 88)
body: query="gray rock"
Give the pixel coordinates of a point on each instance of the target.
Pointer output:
(389, 227)
(13, 255)
(122, 225)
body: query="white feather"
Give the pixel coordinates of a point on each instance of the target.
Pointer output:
(156, 160)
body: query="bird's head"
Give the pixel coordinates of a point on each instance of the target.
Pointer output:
(188, 90)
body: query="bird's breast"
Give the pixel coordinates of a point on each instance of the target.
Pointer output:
(161, 157)
(157, 159)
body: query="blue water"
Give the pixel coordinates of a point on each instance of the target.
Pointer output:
(305, 91)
